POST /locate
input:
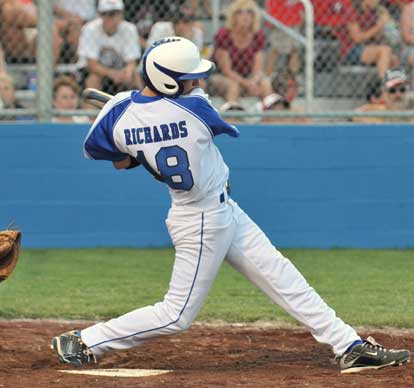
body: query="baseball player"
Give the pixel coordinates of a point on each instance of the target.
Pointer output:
(169, 129)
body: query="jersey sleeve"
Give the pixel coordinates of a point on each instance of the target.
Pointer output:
(197, 102)
(99, 143)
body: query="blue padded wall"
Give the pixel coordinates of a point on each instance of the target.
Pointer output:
(306, 186)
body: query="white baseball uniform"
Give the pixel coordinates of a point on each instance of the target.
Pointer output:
(173, 139)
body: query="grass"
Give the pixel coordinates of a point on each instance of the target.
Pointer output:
(365, 287)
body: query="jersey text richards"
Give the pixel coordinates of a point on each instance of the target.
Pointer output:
(156, 133)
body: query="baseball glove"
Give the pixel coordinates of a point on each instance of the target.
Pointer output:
(9, 252)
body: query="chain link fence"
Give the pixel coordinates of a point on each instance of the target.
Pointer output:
(275, 62)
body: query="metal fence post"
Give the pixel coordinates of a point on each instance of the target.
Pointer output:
(309, 56)
(215, 14)
(44, 59)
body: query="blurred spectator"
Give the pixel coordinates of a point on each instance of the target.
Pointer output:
(330, 25)
(330, 16)
(108, 50)
(394, 97)
(182, 24)
(284, 83)
(85, 10)
(3, 68)
(66, 97)
(374, 93)
(407, 32)
(290, 13)
(159, 9)
(18, 30)
(143, 14)
(75, 14)
(224, 5)
(395, 6)
(8, 99)
(276, 102)
(239, 54)
(364, 41)
(8, 93)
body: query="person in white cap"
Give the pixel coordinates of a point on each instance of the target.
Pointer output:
(109, 50)
(393, 96)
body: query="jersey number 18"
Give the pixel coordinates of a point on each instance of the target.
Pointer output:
(173, 164)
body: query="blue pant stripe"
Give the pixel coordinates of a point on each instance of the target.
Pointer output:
(185, 304)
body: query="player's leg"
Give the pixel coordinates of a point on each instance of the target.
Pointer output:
(201, 240)
(252, 254)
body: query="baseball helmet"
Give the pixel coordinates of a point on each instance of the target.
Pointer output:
(170, 61)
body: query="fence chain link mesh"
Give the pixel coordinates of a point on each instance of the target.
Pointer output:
(260, 66)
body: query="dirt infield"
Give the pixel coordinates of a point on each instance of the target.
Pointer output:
(229, 356)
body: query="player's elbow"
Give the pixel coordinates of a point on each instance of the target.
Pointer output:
(117, 166)
(122, 164)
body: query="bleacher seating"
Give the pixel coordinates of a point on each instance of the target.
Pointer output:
(21, 74)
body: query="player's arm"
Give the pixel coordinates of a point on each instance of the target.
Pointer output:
(201, 106)
(100, 143)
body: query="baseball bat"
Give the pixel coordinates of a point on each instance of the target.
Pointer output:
(96, 97)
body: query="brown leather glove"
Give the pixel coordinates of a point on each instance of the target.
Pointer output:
(9, 252)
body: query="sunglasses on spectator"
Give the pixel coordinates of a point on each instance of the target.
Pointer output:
(397, 89)
(111, 13)
(245, 10)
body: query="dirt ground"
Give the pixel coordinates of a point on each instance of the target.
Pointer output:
(204, 356)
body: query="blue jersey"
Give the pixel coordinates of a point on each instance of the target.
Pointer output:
(172, 138)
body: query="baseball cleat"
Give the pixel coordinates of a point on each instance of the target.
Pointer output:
(371, 355)
(71, 349)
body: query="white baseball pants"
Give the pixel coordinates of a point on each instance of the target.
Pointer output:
(203, 237)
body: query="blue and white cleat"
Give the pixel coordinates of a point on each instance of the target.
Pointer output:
(371, 355)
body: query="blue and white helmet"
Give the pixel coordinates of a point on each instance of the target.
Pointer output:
(169, 61)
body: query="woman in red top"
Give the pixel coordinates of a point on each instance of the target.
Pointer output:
(239, 55)
(364, 41)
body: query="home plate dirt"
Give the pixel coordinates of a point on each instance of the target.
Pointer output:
(204, 356)
(118, 372)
